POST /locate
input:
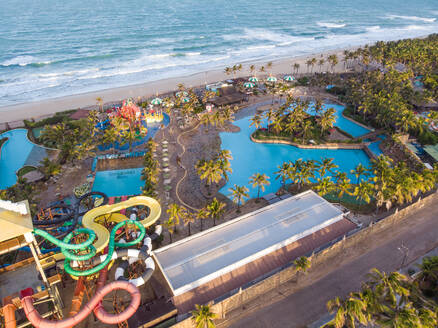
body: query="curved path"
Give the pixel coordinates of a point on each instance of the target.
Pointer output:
(185, 170)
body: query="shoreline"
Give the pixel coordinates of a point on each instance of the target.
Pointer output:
(45, 108)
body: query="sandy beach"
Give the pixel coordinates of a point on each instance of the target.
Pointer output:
(45, 108)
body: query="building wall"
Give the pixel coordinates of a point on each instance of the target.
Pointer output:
(246, 295)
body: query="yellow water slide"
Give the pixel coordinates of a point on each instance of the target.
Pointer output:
(110, 213)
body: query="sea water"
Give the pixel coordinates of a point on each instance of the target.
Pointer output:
(56, 48)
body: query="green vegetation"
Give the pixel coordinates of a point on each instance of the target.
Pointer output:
(390, 184)
(386, 97)
(239, 193)
(151, 170)
(216, 169)
(291, 122)
(391, 300)
(55, 119)
(302, 264)
(24, 170)
(203, 317)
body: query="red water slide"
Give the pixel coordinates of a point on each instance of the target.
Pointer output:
(94, 305)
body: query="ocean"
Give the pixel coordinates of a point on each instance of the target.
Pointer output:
(54, 48)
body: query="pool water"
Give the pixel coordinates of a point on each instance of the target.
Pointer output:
(344, 124)
(119, 182)
(15, 154)
(250, 157)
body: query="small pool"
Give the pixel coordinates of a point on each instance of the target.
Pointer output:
(344, 124)
(17, 152)
(250, 157)
(119, 182)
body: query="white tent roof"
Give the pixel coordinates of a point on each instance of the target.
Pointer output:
(196, 260)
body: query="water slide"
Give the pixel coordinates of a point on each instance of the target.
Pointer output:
(94, 305)
(93, 230)
(93, 219)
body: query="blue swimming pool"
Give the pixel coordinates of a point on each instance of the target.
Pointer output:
(16, 152)
(119, 182)
(250, 157)
(343, 123)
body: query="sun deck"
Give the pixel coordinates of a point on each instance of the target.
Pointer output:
(197, 260)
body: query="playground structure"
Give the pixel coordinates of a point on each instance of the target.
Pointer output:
(79, 249)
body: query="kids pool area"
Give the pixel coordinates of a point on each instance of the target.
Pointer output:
(17, 152)
(250, 157)
(116, 183)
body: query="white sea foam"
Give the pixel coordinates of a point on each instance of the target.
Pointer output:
(331, 25)
(23, 61)
(372, 28)
(413, 18)
(262, 34)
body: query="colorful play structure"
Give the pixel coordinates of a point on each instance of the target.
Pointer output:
(86, 254)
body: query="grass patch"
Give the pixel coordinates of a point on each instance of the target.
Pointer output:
(55, 119)
(24, 170)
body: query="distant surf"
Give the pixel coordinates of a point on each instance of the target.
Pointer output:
(43, 55)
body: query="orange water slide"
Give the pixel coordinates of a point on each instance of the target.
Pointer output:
(94, 305)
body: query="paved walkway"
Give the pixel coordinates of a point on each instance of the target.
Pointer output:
(298, 306)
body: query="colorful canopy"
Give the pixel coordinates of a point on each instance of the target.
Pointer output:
(249, 85)
(289, 78)
(185, 99)
(253, 79)
(156, 101)
(182, 93)
(272, 79)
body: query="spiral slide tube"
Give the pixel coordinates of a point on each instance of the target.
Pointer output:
(94, 305)
(136, 255)
(67, 248)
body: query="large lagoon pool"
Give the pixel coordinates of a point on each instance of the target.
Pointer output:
(119, 182)
(343, 123)
(17, 152)
(250, 157)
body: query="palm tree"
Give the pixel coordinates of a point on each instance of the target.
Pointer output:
(203, 316)
(252, 69)
(228, 70)
(307, 128)
(49, 168)
(188, 219)
(238, 194)
(363, 191)
(99, 101)
(327, 165)
(348, 312)
(260, 181)
(333, 60)
(343, 186)
(321, 63)
(269, 66)
(296, 67)
(327, 120)
(215, 209)
(302, 264)
(176, 213)
(283, 172)
(359, 171)
(256, 120)
(325, 186)
(210, 171)
(201, 215)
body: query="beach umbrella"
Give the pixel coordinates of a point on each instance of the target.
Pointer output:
(289, 78)
(249, 85)
(182, 93)
(185, 100)
(253, 79)
(272, 79)
(156, 101)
